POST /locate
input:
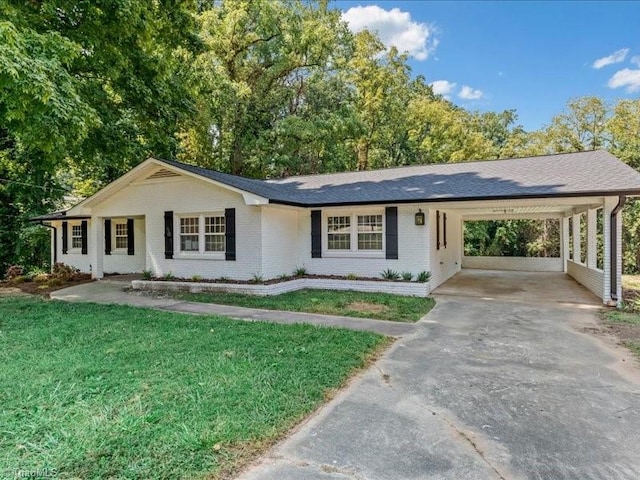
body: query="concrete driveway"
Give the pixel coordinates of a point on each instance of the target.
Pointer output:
(489, 387)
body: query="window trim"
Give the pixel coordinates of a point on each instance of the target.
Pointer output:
(201, 253)
(353, 251)
(72, 248)
(114, 235)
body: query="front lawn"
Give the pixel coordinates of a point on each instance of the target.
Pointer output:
(381, 306)
(101, 391)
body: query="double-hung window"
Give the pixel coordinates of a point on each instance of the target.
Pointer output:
(355, 233)
(121, 236)
(76, 236)
(202, 233)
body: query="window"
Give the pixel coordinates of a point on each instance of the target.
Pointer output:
(355, 233)
(189, 234)
(203, 234)
(76, 236)
(121, 236)
(339, 233)
(369, 232)
(214, 230)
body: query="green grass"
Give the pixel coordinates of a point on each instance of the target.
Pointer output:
(620, 316)
(100, 391)
(381, 306)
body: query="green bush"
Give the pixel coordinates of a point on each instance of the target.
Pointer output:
(147, 274)
(389, 274)
(423, 277)
(407, 276)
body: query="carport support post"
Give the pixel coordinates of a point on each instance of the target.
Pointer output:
(609, 206)
(564, 232)
(577, 250)
(592, 239)
(96, 247)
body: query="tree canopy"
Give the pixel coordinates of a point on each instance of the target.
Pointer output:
(261, 88)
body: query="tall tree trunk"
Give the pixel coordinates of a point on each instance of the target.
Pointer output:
(363, 154)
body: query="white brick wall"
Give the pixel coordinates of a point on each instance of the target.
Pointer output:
(73, 257)
(589, 277)
(279, 241)
(413, 255)
(523, 264)
(399, 288)
(445, 262)
(119, 261)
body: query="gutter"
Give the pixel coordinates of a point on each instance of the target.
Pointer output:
(55, 241)
(613, 242)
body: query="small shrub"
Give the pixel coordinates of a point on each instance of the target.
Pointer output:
(256, 278)
(389, 274)
(41, 278)
(37, 272)
(407, 276)
(196, 278)
(147, 274)
(20, 279)
(284, 276)
(169, 276)
(300, 271)
(14, 271)
(224, 279)
(64, 272)
(52, 283)
(423, 277)
(352, 276)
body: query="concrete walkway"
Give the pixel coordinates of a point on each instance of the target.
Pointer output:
(490, 386)
(113, 292)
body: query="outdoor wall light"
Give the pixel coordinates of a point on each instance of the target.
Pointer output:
(420, 217)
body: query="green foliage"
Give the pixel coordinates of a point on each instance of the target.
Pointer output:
(196, 278)
(169, 276)
(407, 276)
(300, 271)
(257, 278)
(164, 394)
(389, 274)
(382, 306)
(147, 275)
(423, 277)
(352, 276)
(512, 238)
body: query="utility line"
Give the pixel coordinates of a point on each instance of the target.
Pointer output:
(36, 186)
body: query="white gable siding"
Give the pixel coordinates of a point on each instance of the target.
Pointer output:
(413, 255)
(279, 241)
(186, 196)
(445, 262)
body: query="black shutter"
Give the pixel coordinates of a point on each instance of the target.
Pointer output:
(391, 222)
(437, 229)
(230, 234)
(83, 229)
(65, 238)
(316, 233)
(444, 230)
(168, 235)
(131, 240)
(107, 236)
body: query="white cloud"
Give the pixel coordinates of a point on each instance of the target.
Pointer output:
(616, 57)
(627, 78)
(636, 60)
(442, 87)
(468, 93)
(394, 27)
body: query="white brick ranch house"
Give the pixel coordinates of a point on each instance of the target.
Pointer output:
(167, 216)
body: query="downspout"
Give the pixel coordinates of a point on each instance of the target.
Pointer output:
(613, 242)
(55, 241)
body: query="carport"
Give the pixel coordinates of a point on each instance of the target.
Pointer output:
(585, 192)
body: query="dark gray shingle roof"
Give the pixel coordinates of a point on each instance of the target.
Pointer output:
(569, 174)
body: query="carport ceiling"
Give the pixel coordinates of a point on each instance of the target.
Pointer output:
(524, 208)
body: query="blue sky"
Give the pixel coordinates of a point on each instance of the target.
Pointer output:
(528, 56)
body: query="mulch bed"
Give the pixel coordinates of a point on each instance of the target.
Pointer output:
(43, 289)
(270, 281)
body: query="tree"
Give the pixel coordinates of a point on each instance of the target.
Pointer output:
(583, 126)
